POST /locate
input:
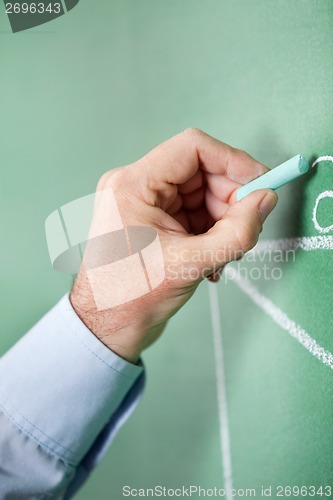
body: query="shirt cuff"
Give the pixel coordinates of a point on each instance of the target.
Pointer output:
(61, 385)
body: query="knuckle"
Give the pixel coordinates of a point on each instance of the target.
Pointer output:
(193, 132)
(110, 179)
(241, 154)
(102, 182)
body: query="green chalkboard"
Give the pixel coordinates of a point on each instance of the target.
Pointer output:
(232, 396)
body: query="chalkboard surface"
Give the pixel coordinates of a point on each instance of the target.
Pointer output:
(233, 396)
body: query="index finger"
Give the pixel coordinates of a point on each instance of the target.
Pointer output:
(177, 160)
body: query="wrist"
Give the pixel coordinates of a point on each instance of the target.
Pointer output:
(126, 330)
(107, 326)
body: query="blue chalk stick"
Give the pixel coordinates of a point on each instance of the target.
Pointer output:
(277, 177)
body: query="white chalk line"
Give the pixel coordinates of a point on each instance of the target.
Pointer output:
(325, 194)
(280, 318)
(322, 158)
(321, 229)
(306, 243)
(301, 243)
(221, 390)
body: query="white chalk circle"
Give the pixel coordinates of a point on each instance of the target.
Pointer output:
(321, 229)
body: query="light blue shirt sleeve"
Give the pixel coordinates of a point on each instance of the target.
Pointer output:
(63, 397)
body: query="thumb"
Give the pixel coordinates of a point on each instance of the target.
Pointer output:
(236, 233)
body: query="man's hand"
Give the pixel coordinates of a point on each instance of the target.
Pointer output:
(185, 189)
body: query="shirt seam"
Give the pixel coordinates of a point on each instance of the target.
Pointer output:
(33, 425)
(34, 438)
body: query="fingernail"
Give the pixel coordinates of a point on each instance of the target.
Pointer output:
(267, 205)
